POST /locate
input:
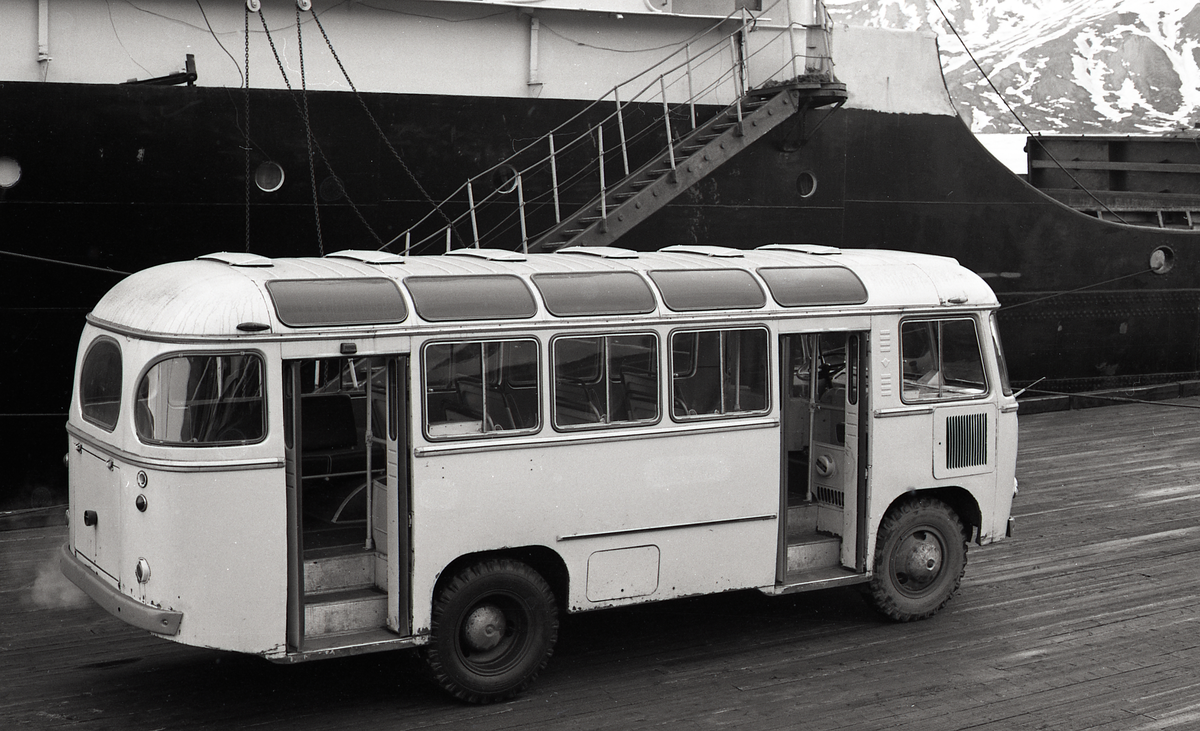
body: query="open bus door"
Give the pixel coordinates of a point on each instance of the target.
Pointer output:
(823, 533)
(348, 499)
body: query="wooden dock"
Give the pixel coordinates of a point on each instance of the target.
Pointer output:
(1089, 618)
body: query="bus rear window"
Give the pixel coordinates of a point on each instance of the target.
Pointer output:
(100, 384)
(199, 400)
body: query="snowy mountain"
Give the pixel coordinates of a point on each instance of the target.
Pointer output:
(1064, 66)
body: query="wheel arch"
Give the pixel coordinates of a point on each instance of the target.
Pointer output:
(960, 500)
(546, 561)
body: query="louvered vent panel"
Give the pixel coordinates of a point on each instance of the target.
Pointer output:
(966, 441)
(830, 496)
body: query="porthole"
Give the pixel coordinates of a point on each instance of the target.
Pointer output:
(504, 178)
(331, 189)
(269, 177)
(1162, 260)
(806, 184)
(10, 172)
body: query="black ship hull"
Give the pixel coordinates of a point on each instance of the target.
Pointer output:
(117, 178)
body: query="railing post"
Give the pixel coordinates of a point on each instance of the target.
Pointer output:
(521, 209)
(687, 49)
(667, 119)
(791, 31)
(447, 239)
(554, 180)
(736, 73)
(743, 64)
(603, 201)
(471, 207)
(407, 241)
(621, 129)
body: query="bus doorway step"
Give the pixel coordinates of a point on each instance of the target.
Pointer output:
(344, 611)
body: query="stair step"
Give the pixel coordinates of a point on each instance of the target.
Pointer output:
(813, 551)
(343, 571)
(344, 611)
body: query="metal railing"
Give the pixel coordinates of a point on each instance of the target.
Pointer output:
(514, 201)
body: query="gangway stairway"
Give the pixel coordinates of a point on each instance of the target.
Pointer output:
(555, 190)
(681, 165)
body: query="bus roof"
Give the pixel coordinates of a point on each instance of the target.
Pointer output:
(227, 294)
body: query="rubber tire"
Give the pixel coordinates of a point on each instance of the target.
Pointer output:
(531, 629)
(917, 523)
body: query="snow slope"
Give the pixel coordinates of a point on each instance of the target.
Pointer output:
(1064, 66)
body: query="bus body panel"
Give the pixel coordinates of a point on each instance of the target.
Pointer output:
(577, 499)
(155, 504)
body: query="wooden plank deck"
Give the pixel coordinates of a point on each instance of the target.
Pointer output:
(1087, 619)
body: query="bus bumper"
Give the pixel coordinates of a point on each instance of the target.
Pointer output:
(127, 609)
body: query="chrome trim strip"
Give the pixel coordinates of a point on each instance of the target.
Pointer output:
(124, 608)
(671, 526)
(616, 434)
(173, 465)
(903, 411)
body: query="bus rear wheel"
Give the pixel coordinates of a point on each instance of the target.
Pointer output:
(493, 629)
(920, 557)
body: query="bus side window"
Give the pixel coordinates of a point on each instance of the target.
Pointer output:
(941, 359)
(195, 400)
(100, 384)
(718, 372)
(610, 379)
(481, 387)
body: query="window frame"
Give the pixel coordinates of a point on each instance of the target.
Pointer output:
(102, 340)
(263, 387)
(605, 376)
(767, 364)
(942, 396)
(423, 366)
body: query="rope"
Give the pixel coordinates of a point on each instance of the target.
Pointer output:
(65, 263)
(1018, 118)
(246, 99)
(1077, 289)
(1122, 399)
(308, 134)
(378, 129)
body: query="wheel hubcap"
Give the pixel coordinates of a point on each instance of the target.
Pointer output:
(918, 561)
(484, 628)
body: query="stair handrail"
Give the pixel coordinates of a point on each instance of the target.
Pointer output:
(737, 72)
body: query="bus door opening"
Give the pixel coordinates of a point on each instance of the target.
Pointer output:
(822, 399)
(347, 497)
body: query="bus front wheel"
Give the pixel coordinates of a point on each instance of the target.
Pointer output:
(920, 556)
(493, 629)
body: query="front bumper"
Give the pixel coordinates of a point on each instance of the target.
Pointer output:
(127, 609)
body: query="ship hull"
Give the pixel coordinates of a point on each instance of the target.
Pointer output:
(117, 178)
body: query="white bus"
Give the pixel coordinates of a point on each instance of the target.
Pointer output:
(306, 458)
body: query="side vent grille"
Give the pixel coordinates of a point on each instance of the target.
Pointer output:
(830, 496)
(966, 441)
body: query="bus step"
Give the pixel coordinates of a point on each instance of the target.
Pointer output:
(802, 519)
(813, 551)
(354, 570)
(344, 611)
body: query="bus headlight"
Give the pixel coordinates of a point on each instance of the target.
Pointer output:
(142, 571)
